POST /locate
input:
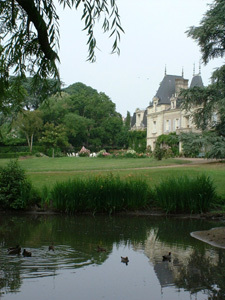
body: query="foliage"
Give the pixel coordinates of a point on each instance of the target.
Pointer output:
(39, 89)
(84, 152)
(127, 120)
(16, 191)
(206, 105)
(209, 143)
(123, 138)
(216, 146)
(12, 96)
(210, 34)
(101, 194)
(192, 144)
(185, 194)
(14, 154)
(43, 169)
(158, 152)
(29, 123)
(54, 136)
(170, 140)
(137, 140)
(30, 32)
(103, 153)
(89, 117)
(130, 153)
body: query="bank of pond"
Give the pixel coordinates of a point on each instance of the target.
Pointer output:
(109, 194)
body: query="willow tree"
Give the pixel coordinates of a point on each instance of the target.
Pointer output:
(30, 29)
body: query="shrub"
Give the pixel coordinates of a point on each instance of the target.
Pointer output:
(101, 194)
(158, 153)
(103, 153)
(16, 191)
(84, 152)
(131, 153)
(185, 194)
(14, 154)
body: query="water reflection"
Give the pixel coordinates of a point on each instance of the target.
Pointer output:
(195, 270)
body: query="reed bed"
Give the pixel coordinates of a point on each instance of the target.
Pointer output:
(185, 194)
(101, 194)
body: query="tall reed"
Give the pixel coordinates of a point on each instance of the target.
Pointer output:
(185, 194)
(101, 194)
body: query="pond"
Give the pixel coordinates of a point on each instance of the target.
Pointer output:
(76, 270)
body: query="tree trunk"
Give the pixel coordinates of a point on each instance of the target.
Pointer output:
(31, 142)
(28, 140)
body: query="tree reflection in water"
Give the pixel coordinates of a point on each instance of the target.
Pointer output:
(76, 240)
(203, 272)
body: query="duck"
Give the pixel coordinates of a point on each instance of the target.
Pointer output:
(27, 253)
(124, 260)
(14, 250)
(167, 257)
(51, 247)
(101, 249)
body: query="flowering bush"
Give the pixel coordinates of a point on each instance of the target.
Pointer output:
(131, 153)
(103, 153)
(84, 152)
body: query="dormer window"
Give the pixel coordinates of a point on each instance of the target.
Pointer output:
(155, 102)
(173, 102)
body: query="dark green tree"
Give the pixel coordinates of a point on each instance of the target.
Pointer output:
(137, 140)
(210, 34)
(38, 90)
(29, 123)
(54, 137)
(207, 105)
(90, 117)
(127, 120)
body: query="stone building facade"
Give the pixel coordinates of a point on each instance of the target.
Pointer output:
(139, 119)
(164, 114)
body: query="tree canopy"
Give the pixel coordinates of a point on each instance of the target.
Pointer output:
(207, 104)
(89, 116)
(210, 34)
(30, 31)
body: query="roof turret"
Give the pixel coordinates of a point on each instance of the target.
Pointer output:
(196, 81)
(167, 88)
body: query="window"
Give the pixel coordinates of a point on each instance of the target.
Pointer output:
(167, 126)
(154, 127)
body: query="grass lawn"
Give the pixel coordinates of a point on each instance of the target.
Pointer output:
(47, 171)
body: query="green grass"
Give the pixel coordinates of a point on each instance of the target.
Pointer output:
(48, 171)
(47, 164)
(192, 194)
(100, 194)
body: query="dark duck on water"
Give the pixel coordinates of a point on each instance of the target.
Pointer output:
(14, 250)
(167, 257)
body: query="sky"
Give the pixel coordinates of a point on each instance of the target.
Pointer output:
(154, 40)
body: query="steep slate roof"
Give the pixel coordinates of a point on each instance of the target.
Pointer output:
(167, 89)
(144, 121)
(196, 81)
(133, 120)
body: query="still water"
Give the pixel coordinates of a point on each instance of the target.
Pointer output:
(76, 270)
